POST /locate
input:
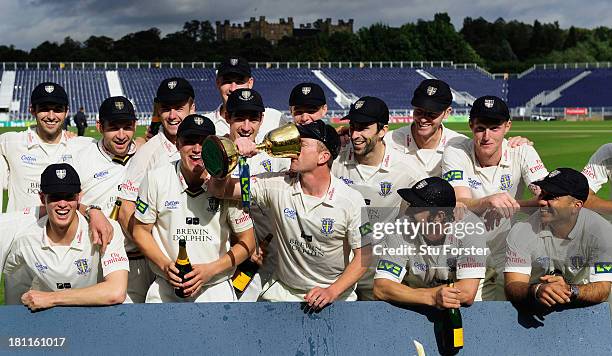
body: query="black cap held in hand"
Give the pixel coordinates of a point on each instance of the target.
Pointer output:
(565, 181)
(49, 92)
(195, 125)
(116, 108)
(235, 65)
(245, 100)
(368, 109)
(60, 178)
(429, 192)
(433, 95)
(174, 90)
(490, 107)
(320, 131)
(307, 94)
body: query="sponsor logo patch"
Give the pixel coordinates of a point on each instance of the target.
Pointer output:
(267, 165)
(40, 267)
(385, 188)
(101, 175)
(141, 206)
(474, 184)
(603, 267)
(290, 213)
(365, 229)
(28, 159)
(347, 181)
(453, 175)
(390, 267)
(327, 226)
(172, 204)
(82, 266)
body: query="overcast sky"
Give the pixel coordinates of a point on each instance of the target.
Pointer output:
(27, 23)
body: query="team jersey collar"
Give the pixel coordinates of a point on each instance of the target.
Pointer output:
(32, 138)
(389, 158)
(411, 146)
(218, 118)
(169, 147)
(117, 159)
(184, 186)
(332, 191)
(77, 243)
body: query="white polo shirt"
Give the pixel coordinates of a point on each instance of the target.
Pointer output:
(409, 260)
(27, 157)
(585, 256)
(204, 221)
(11, 224)
(427, 162)
(56, 268)
(157, 151)
(599, 169)
(378, 185)
(272, 119)
(100, 176)
(518, 167)
(315, 235)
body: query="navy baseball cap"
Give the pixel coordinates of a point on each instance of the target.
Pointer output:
(490, 107)
(429, 192)
(245, 99)
(307, 94)
(236, 65)
(433, 95)
(565, 181)
(174, 90)
(195, 125)
(116, 108)
(49, 92)
(368, 109)
(320, 131)
(60, 178)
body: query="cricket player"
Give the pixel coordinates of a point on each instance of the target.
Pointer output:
(562, 253)
(245, 113)
(173, 204)
(369, 166)
(317, 219)
(28, 152)
(598, 172)
(175, 98)
(416, 267)
(489, 177)
(235, 73)
(102, 167)
(58, 252)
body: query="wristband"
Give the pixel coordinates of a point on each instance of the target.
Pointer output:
(535, 291)
(244, 245)
(231, 256)
(89, 207)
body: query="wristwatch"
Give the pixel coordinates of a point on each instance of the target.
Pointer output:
(89, 207)
(575, 292)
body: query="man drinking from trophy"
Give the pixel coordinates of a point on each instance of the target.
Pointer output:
(315, 216)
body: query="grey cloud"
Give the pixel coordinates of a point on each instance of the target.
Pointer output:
(26, 24)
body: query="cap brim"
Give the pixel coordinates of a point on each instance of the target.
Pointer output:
(60, 188)
(356, 117)
(223, 72)
(429, 104)
(248, 107)
(411, 197)
(119, 117)
(176, 98)
(51, 100)
(551, 188)
(194, 132)
(309, 102)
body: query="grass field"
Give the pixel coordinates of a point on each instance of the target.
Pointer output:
(560, 144)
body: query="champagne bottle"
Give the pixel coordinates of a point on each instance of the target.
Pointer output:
(114, 215)
(453, 328)
(246, 271)
(183, 265)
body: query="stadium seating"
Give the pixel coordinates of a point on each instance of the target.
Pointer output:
(470, 80)
(592, 90)
(521, 90)
(393, 85)
(86, 88)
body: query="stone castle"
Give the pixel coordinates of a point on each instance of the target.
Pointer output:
(273, 32)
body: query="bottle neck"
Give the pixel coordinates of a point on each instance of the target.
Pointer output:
(182, 258)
